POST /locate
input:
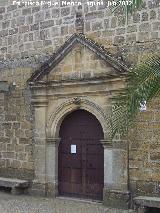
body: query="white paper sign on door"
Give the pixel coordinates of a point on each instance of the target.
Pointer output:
(73, 149)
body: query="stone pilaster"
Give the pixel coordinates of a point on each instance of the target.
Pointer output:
(52, 166)
(115, 191)
(39, 182)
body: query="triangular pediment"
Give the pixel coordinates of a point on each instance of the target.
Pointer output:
(65, 53)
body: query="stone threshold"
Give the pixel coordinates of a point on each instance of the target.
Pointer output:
(80, 200)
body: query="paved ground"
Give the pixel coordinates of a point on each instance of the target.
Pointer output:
(27, 204)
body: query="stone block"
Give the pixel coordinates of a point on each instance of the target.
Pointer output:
(47, 24)
(3, 146)
(144, 16)
(34, 27)
(153, 4)
(23, 29)
(3, 33)
(16, 164)
(26, 11)
(64, 30)
(8, 155)
(38, 189)
(39, 16)
(121, 21)
(55, 31)
(29, 20)
(118, 199)
(47, 14)
(144, 27)
(94, 15)
(119, 39)
(153, 15)
(11, 7)
(31, 37)
(107, 33)
(87, 26)
(2, 10)
(113, 22)
(97, 26)
(47, 42)
(143, 36)
(23, 140)
(20, 20)
(136, 18)
(156, 26)
(58, 21)
(9, 133)
(35, 9)
(55, 13)
(13, 31)
(120, 31)
(19, 148)
(21, 157)
(68, 20)
(65, 11)
(5, 24)
(28, 165)
(155, 156)
(38, 44)
(132, 28)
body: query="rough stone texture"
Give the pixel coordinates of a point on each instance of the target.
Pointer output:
(15, 128)
(144, 151)
(145, 24)
(28, 204)
(28, 36)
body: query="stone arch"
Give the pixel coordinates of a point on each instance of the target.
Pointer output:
(69, 106)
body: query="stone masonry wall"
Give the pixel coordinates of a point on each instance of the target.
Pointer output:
(29, 35)
(145, 151)
(16, 146)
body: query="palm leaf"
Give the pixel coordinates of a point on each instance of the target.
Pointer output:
(128, 6)
(143, 84)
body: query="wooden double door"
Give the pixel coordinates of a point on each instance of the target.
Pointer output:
(81, 156)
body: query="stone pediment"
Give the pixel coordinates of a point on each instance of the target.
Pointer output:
(78, 41)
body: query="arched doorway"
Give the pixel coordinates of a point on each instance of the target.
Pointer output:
(81, 156)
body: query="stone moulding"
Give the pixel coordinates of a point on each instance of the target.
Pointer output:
(107, 143)
(99, 50)
(68, 106)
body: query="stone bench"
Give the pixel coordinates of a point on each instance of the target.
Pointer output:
(17, 186)
(143, 202)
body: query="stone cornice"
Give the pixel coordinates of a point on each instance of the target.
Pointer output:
(39, 102)
(106, 143)
(53, 141)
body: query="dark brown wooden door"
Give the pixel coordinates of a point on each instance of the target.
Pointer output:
(81, 156)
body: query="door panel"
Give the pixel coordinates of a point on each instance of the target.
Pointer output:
(81, 174)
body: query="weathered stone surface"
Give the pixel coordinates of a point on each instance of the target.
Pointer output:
(26, 11)
(29, 36)
(55, 13)
(47, 24)
(34, 27)
(2, 10)
(65, 11)
(13, 31)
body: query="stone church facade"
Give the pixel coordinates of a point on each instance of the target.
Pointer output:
(59, 60)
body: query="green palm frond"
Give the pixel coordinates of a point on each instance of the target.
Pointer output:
(129, 6)
(143, 84)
